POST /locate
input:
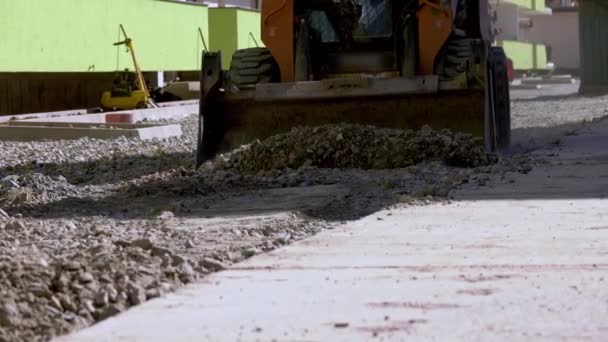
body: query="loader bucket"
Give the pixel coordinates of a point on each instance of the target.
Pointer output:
(230, 119)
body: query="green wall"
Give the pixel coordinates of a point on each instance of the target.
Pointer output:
(231, 29)
(537, 5)
(223, 32)
(525, 56)
(77, 35)
(249, 30)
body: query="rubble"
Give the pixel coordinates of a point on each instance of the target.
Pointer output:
(89, 228)
(32, 188)
(356, 146)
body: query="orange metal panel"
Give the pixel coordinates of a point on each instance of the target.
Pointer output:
(434, 27)
(277, 34)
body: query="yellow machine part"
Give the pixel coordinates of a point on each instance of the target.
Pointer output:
(137, 100)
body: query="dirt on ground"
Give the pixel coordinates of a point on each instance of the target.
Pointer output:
(89, 228)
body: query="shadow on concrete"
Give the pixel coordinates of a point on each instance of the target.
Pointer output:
(551, 97)
(335, 202)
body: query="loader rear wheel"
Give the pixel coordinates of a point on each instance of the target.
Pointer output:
(502, 102)
(252, 66)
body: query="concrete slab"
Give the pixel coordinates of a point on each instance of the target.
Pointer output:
(29, 131)
(477, 271)
(510, 268)
(6, 118)
(150, 114)
(525, 86)
(553, 80)
(168, 110)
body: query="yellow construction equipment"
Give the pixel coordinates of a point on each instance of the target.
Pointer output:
(388, 63)
(124, 94)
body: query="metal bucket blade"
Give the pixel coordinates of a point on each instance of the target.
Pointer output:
(242, 120)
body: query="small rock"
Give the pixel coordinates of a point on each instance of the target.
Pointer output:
(100, 231)
(69, 317)
(109, 311)
(76, 287)
(152, 293)
(144, 244)
(60, 282)
(98, 249)
(101, 298)
(86, 278)
(267, 246)
(66, 302)
(166, 215)
(9, 315)
(43, 263)
(281, 238)
(72, 266)
(160, 252)
(189, 244)
(4, 214)
(112, 293)
(178, 260)
(88, 306)
(165, 287)
(136, 294)
(56, 303)
(10, 182)
(212, 264)
(53, 312)
(249, 252)
(71, 225)
(14, 226)
(40, 290)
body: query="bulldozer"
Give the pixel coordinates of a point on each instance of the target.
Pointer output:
(388, 63)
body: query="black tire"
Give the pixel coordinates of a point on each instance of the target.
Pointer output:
(252, 66)
(502, 101)
(454, 58)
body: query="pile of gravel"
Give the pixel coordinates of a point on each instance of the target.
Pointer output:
(34, 188)
(48, 289)
(58, 276)
(357, 146)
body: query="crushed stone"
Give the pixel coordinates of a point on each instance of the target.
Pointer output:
(90, 228)
(357, 146)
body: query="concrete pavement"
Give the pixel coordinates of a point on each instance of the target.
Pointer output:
(504, 262)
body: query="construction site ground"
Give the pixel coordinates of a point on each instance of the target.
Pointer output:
(98, 230)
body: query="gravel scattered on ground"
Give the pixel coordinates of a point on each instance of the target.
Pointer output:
(89, 228)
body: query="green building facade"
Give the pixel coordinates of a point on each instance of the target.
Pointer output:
(58, 55)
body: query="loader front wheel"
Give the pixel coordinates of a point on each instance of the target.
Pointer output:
(252, 66)
(502, 102)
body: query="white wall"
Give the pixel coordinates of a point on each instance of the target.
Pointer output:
(507, 21)
(560, 31)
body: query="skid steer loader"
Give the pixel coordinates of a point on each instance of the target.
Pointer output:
(388, 63)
